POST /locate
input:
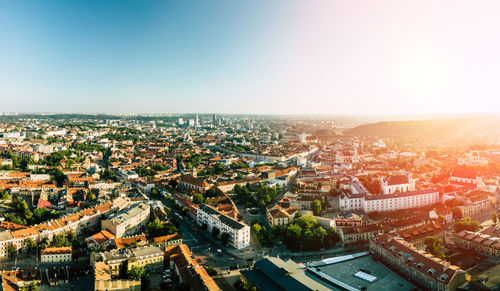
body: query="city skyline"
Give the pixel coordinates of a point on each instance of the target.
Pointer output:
(335, 58)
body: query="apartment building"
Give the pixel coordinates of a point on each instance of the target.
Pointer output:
(484, 244)
(239, 233)
(419, 267)
(129, 220)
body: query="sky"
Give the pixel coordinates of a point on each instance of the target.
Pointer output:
(258, 57)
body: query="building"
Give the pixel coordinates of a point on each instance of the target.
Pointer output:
(397, 184)
(188, 270)
(483, 244)
(56, 255)
(148, 256)
(99, 239)
(18, 279)
(193, 183)
(239, 233)
(103, 281)
(476, 203)
(388, 202)
(419, 267)
(274, 274)
(465, 177)
(278, 215)
(416, 235)
(128, 221)
(167, 241)
(360, 234)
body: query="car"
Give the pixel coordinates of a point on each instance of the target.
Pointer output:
(231, 259)
(219, 250)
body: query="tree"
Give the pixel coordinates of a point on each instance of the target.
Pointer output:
(433, 246)
(30, 244)
(224, 238)
(33, 287)
(136, 272)
(12, 250)
(211, 271)
(316, 207)
(90, 196)
(197, 198)
(467, 224)
(4, 195)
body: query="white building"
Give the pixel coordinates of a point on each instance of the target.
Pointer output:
(128, 221)
(56, 255)
(397, 184)
(239, 233)
(360, 200)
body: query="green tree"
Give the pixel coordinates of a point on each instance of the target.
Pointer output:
(4, 195)
(136, 272)
(90, 196)
(12, 250)
(30, 244)
(197, 198)
(33, 287)
(316, 207)
(211, 271)
(433, 246)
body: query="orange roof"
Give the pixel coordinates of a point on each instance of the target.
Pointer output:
(59, 250)
(165, 238)
(25, 232)
(103, 236)
(127, 242)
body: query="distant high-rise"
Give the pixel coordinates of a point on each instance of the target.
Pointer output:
(197, 121)
(214, 119)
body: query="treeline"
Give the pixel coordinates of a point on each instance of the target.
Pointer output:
(23, 216)
(305, 234)
(260, 196)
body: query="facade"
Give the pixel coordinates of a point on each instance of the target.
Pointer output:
(388, 202)
(194, 183)
(278, 215)
(476, 204)
(166, 241)
(239, 233)
(464, 177)
(76, 222)
(188, 270)
(129, 220)
(420, 268)
(416, 235)
(484, 244)
(149, 256)
(397, 184)
(56, 255)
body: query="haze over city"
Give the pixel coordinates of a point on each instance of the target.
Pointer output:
(262, 145)
(261, 57)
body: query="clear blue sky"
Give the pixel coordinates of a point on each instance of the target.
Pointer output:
(259, 56)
